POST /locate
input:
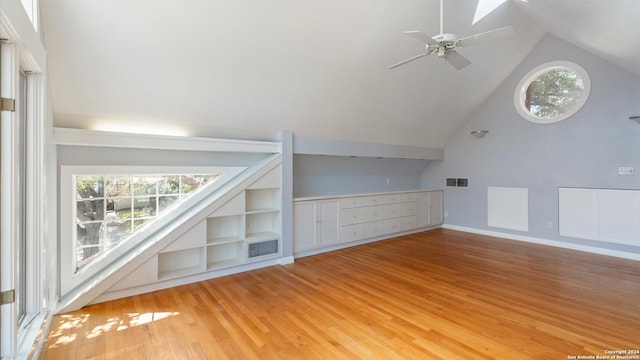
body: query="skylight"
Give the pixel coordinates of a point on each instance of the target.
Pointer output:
(486, 7)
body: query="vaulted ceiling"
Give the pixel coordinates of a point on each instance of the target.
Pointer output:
(251, 68)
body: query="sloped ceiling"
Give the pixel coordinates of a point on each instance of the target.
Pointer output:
(251, 68)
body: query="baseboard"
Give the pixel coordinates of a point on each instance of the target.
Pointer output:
(559, 244)
(338, 246)
(165, 284)
(287, 260)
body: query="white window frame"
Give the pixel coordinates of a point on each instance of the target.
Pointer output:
(70, 277)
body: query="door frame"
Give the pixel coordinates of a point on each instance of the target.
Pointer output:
(22, 49)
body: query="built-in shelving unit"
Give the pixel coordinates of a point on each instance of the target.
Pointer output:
(245, 229)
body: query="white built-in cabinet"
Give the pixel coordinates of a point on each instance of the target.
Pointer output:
(600, 214)
(432, 201)
(315, 224)
(243, 230)
(329, 221)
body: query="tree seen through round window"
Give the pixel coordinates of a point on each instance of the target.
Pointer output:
(552, 92)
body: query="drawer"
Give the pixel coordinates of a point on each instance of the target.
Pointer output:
(400, 210)
(372, 213)
(351, 233)
(361, 201)
(350, 216)
(376, 228)
(362, 214)
(403, 224)
(402, 197)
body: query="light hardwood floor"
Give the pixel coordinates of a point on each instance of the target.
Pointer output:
(441, 294)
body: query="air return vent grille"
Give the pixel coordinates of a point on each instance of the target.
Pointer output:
(268, 247)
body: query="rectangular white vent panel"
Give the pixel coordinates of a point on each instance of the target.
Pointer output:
(600, 214)
(508, 208)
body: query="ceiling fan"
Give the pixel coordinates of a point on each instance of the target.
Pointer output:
(444, 44)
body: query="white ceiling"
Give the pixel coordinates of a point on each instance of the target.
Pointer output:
(251, 68)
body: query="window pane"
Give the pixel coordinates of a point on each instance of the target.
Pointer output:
(169, 184)
(121, 207)
(139, 222)
(166, 201)
(89, 187)
(118, 185)
(115, 229)
(144, 185)
(554, 93)
(90, 210)
(88, 241)
(192, 183)
(144, 207)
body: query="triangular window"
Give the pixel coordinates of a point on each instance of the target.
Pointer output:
(111, 208)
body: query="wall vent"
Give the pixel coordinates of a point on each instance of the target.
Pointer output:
(263, 248)
(457, 182)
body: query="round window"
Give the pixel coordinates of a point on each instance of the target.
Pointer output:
(552, 92)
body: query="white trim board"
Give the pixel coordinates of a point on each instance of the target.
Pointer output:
(287, 260)
(554, 243)
(190, 279)
(81, 137)
(340, 246)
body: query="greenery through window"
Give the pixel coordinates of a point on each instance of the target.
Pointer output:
(110, 208)
(552, 92)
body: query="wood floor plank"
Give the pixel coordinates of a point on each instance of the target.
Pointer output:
(440, 294)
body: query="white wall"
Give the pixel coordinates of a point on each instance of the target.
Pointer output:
(315, 175)
(329, 167)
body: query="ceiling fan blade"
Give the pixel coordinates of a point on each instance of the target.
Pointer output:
(456, 60)
(406, 61)
(486, 36)
(422, 37)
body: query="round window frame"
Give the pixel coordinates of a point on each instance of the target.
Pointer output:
(531, 76)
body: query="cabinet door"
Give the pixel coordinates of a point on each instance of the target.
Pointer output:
(327, 222)
(422, 209)
(600, 214)
(619, 216)
(304, 225)
(435, 208)
(578, 213)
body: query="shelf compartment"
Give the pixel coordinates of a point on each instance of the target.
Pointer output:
(224, 255)
(261, 236)
(225, 229)
(262, 222)
(262, 200)
(178, 263)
